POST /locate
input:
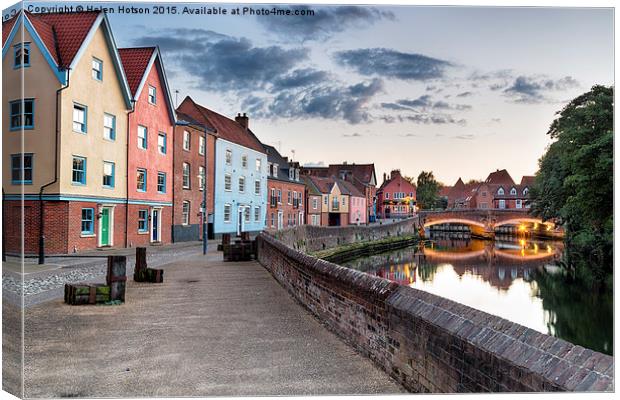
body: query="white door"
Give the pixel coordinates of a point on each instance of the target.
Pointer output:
(280, 220)
(156, 225)
(240, 221)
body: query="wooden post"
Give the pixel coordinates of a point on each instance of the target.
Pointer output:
(117, 278)
(140, 258)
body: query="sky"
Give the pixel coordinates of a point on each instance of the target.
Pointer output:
(460, 91)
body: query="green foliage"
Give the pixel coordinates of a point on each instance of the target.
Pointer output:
(574, 184)
(427, 192)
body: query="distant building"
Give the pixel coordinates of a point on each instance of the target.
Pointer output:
(314, 203)
(286, 192)
(497, 191)
(336, 197)
(362, 176)
(396, 198)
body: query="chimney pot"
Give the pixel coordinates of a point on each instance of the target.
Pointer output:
(242, 120)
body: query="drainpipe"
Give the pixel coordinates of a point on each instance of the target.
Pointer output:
(56, 166)
(133, 109)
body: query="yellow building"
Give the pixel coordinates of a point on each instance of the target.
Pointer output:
(65, 121)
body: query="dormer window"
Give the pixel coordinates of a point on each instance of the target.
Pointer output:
(275, 170)
(97, 71)
(297, 175)
(526, 191)
(500, 191)
(513, 192)
(21, 55)
(152, 95)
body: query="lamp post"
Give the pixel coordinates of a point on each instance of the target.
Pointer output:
(205, 130)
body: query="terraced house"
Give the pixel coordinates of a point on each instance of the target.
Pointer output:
(285, 190)
(150, 148)
(73, 119)
(240, 187)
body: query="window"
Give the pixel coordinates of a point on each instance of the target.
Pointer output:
(246, 214)
(108, 174)
(201, 177)
(143, 216)
(344, 201)
(275, 170)
(228, 157)
(256, 214)
(387, 195)
(244, 161)
(273, 220)
(258, 165)
(97, 69)
(186, 212)
(162, 143)
(325, 200)
(242, 184)
(161, 182)
(525, 191)
(186, 175)
(21, 119)
(201, 145)
(335, 205)
(279, 196)
(79, 118)
(186, 140)
(142, 137)
(141, 180)
(518, 203)
(315, 203)
(502, 204)
(228, 182)
(513, 192)
(21, 173)
(288, 197)
(88, 221)
(257, 187)
(227, 209)
(152, 95)
(295, 203)
(301, 199)
(291, 174)
(500, 191)
(21, 55)
(109, 126)
(78, 175)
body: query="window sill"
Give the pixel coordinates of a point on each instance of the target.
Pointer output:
(88, 235)
(77, 184)
(21, 183)
(143, 232)
(109, 140)
(108, 187)
(19, 128)
(80, 132)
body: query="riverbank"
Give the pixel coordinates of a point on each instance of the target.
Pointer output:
(351, 251)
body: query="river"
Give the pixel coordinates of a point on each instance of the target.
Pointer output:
(514, 278)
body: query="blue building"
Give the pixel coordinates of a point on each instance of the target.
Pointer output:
(240, 176)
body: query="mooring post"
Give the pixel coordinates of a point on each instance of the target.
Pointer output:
(117, 277)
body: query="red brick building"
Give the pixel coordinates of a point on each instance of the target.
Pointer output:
(150, 148)
(189, 176)
(396, 198)
(286, 192)
(497, 191)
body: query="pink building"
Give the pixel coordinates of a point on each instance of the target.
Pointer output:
(358, 211)
(150, 144)
(396, 198)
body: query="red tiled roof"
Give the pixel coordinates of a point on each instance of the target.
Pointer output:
(500, 178)
(62, 33)
(349, 188)
(362, 172)
(324, 185)
(444, 191)
(527, 181)
(226, 128)
(7, 26)
(135, 61)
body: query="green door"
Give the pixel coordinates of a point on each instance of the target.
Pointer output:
(105, 226)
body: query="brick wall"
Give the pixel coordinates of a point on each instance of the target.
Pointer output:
(310, 238)
(135, 238)
(428, 343)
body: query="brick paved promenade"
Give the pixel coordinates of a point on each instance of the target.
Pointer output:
(212, 328)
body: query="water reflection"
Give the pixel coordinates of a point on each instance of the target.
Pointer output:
(513, 278)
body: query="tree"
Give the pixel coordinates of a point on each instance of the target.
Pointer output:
(427, 191)
(574, 184)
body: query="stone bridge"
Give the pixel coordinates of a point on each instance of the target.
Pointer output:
(483, 222)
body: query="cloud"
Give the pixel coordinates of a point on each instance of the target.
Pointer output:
(436, 119)
(315, 164)
(233, 63)
(465, 94)
(424, 103)
(409, 135)
(390, 63)
(325, 22)
(496, 120)
(299, 78)
(353, 135)
(526, 89)
(465, 137)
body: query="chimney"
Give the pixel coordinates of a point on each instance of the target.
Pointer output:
(384, 177)
(242, 120)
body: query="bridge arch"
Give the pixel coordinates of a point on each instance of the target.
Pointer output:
(520, 220)
(463, 221)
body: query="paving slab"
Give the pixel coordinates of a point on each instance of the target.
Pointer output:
(212, 328)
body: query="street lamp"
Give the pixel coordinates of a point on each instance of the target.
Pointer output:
(206, 130)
